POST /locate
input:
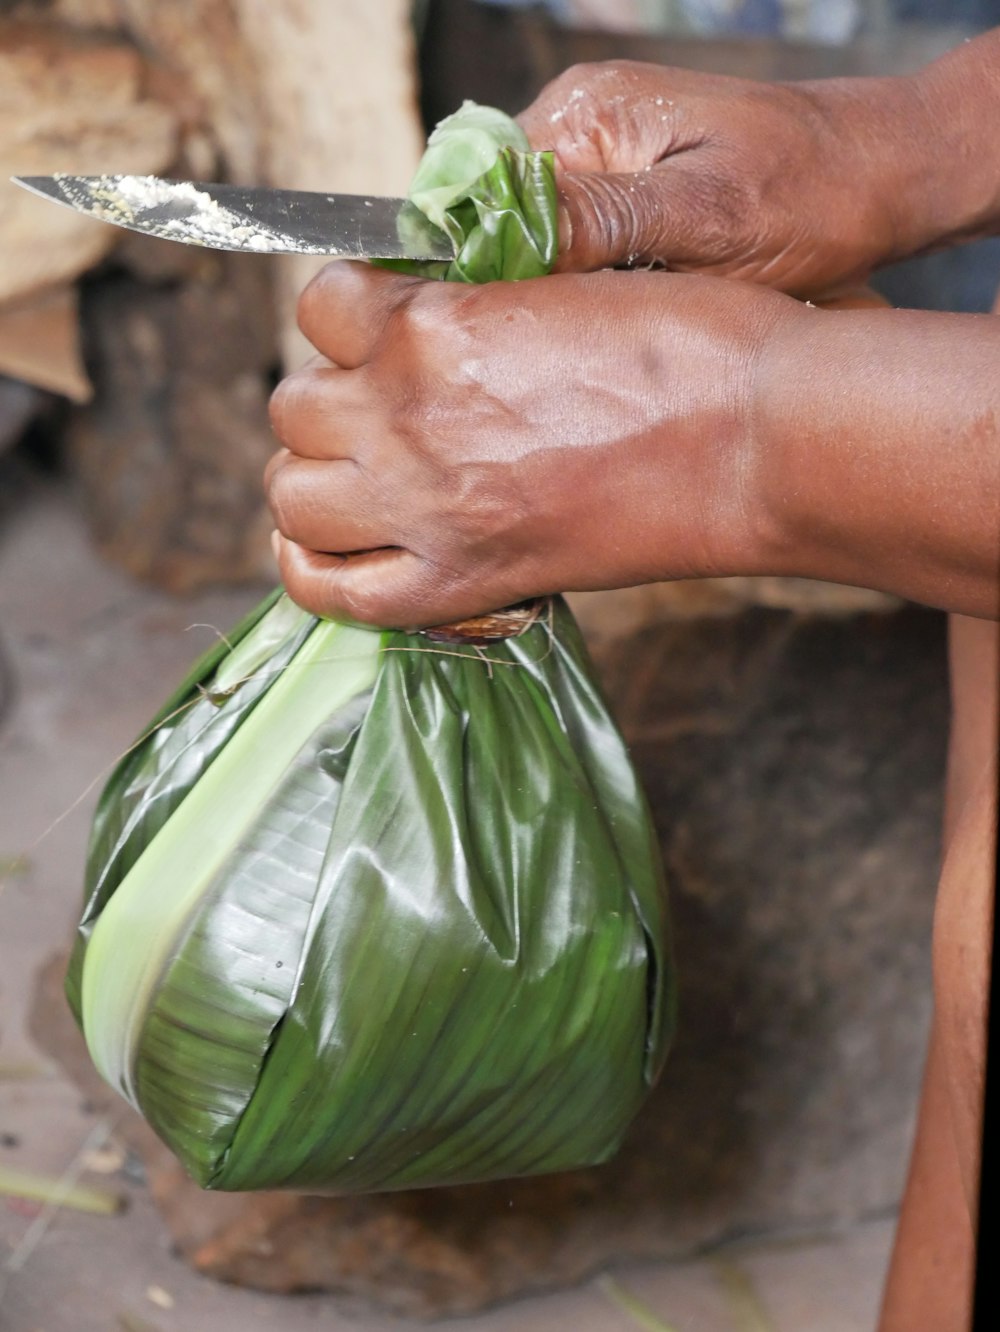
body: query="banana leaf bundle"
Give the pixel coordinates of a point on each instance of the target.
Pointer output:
(365, 911)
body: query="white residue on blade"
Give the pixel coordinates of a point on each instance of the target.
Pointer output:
(141, 192)
(227, 231)
(202, 220)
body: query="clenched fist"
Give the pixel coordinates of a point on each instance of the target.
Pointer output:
(459, 448)
(806, 187)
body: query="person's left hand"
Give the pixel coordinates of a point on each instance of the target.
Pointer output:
(461, 448)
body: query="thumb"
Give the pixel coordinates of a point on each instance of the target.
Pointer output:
(609, 218)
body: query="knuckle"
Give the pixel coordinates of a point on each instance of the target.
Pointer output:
(335, 308)
(413, 321)
(304, 591)
(596, 80)
(278, 407)
(604, 72)
(285, 404)
(281, 493)
(274, 465)
(299, 408)
(578, 92)
(580, 76)
(574, 75)
(555, 91)
(312, 301)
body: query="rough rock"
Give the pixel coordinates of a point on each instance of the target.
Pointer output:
(171, 452)
(68, 102)
(794, 767)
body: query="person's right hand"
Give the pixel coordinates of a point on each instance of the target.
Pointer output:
(799, 186)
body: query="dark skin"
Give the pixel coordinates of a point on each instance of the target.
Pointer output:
(454, 449)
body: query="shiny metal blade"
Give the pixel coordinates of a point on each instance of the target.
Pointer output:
(258, 221)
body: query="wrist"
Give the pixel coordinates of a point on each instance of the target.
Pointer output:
(876, 442)
(773, 543)
(745, 524)
(824, 475)
(915, 155)
(938, 150)
(953, 193)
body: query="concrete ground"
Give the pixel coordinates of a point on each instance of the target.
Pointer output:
(92, 654)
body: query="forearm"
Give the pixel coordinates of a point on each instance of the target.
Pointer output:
(878, 454)
(929, 144)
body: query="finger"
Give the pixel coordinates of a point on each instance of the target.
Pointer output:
(668, 214)
(393, 589)
(326, 506)
(345, 308)
(322, 411)
(388, 588)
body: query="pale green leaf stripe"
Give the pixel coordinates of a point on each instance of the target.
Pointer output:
(219, 1003)
(136, 935)
(256, 651)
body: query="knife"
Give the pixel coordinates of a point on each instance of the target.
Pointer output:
(259, 221)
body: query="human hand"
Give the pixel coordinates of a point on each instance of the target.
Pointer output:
(804, 186)
(462, 448)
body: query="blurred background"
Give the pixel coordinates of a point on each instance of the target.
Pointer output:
(791, 735)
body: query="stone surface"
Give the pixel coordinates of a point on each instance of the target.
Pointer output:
(68, 102)
(171, 453)
(794, 767)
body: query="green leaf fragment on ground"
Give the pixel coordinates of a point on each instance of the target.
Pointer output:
(40, 1188)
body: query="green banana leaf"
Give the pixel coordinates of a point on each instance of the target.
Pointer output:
(494, 198)
(366, 912)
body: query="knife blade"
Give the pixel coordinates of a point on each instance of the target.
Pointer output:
(250, 220)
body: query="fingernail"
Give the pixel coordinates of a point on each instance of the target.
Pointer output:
(276, 544)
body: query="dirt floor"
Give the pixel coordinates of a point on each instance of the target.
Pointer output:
(91, 654)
